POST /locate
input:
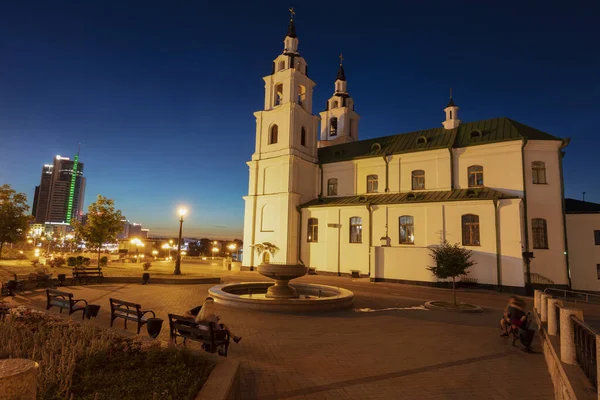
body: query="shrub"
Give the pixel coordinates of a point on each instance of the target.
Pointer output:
(79, 260)
(103, 261)
(72, 261)
(86, 261)
(147, 265)
(13, 254)
(57, 262)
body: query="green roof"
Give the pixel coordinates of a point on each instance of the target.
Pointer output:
(467, 134)
(411, 197)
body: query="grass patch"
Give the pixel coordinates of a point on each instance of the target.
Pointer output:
(83, 360)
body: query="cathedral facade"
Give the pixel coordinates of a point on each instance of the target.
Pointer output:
(320, 196)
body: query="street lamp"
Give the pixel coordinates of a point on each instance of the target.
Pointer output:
(182, 212)
(214, 250)
(138, 243)
(154, 253)
(232, 248)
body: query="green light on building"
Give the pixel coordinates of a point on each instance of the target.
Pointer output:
(72, 189)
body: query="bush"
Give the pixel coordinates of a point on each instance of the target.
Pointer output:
(85, 361)
(72, 261)
(147, 265)
(57, 262)
(35, 263)
(12, 254)
(79, 260)
(104, 261)
(86, 261)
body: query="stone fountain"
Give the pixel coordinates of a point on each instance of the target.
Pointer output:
(282, 274)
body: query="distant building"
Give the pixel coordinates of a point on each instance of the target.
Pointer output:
(132, 230)
(583, 232)
(59, 196)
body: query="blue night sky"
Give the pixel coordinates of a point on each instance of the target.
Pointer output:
(161, 94)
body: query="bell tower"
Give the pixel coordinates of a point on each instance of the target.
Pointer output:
(451, 111)
(339, 121)
(283, 169)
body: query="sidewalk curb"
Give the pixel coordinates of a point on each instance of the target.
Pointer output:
(223, 383)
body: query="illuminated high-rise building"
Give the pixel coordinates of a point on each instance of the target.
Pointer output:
(60, 195)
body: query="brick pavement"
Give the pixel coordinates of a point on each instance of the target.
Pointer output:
(408, 354)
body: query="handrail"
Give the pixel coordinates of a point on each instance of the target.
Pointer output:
(585, 349)
(572, 295)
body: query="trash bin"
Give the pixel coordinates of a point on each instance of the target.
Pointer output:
(91, 311)
(154, 325)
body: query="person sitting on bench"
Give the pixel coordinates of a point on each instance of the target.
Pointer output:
(205, 313)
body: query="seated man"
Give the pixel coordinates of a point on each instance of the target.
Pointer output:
(205, 313)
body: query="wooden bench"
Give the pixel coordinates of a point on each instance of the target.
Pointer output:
(84, 274)
(203, 332)
(129, 312)
(60, 299)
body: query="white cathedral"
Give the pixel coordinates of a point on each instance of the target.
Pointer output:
(340, 205)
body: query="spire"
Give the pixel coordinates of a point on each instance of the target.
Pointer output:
(451, 102)
(341, 75)
(291, 28)
(451, 111)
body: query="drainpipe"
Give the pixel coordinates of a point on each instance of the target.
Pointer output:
(321, 189)
(370, 234)
(451, 167)
(527, 262)
(387, 169)
(299, 209)
(561, 154)
(339, 239)
(498, 250)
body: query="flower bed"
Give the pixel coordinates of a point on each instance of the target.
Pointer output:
(82, 360)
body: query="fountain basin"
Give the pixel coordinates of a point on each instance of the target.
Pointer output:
(253, 296)
(282, 274)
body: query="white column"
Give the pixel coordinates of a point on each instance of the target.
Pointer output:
(567, 336)
(544, 307)
(552, 322)
(18, 379)
(536, 300)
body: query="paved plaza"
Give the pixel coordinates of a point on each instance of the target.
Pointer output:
(405, 353)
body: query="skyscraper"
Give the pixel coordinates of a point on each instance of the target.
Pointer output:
(60, 195)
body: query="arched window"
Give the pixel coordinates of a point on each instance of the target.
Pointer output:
(470, 230)
(313, 230)
(475, 175)
(333, 126)
(273, 134)
(418, 179)
(301, 94)
(538, 169)
(303, 136)
(407, 229)
(372, 184)
(540, 233)
(450, 114)
(278, 94)
(281, 65)
(334, 104)
(266, 258)
(356, 230)
(350, 127)
(332, 187)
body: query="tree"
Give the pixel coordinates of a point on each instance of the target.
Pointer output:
(450, 261)
(102, 226)
(14, 221)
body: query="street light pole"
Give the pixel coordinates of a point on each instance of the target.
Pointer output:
(178, 260)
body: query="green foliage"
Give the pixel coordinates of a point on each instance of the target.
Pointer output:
(13, 216)
(147, 265)
(86, 261)
(72, 261)
(57, 262)
(13, 254)
(103, 224)
(450, 261)
(103, 261)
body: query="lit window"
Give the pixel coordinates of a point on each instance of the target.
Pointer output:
(332, 187)
(475, 175)
(355, 230)
(301, 94)
(273, 135)
(470, 230)
(313, 230)
(333, 127)
(538, 169)
(418, 179)
(303, 136)
(278, 94)
(407, 229)
(372, 184)
(540, 233)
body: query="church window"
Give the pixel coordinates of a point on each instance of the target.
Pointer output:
(597, 238)
(421, 140)
(356, 230)
(350, 127)
(313, 230)
(333, 125)
(301, 94)
(470, 230)
(538, 169)
(332, 187)
(281, 65)
(372, 184)
(475, 175)
(273, 134)
(407, 229)
(540, 233)
(303, 136)
(334, 104)
(418, 179)
(278, 94)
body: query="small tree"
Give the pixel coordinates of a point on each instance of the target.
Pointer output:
(13, 219)
(102, 226)
(450, 261)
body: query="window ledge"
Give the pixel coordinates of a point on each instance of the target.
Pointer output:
(540, 183)
(541, 248)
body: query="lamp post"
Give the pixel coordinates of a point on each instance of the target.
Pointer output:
(138, 243)
(232, 248)
(182, 212)
(214, 250)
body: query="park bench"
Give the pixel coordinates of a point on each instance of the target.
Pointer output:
(56, 298)
(129, 312)
(203, 332)
(84, 274)
(21, 280)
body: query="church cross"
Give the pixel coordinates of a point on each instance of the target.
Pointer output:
(292, 13)
(341, 59)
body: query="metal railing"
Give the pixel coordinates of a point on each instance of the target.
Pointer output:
(574, 296)
(557, 311)
(585, 349)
